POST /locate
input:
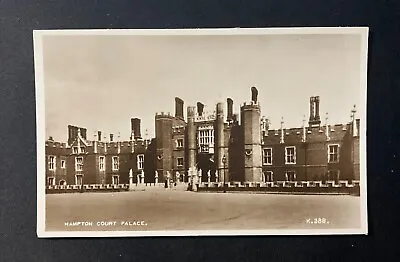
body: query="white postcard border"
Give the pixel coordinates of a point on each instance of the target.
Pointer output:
(40, 123)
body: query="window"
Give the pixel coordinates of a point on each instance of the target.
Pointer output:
(101, 163)
(62, 183)
(52, 162)
(79, 164)
(333, 175)
(140, 162)
(179, 161)
(82, 149)
(115, 180)
(268, 176)
(78, 180)
(333, 153)
(290, 155)
(206, 137)
(75, 150)
(115, 163)
(179, 143)
(290, 176)
(51, 181)
(62, 163)
(267, 156)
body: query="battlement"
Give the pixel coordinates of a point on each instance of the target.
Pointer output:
(178, 129)
(250, 105)
(206, 116)
(50, 143)
(164, 115)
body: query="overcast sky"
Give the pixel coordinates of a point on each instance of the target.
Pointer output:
(100, 82)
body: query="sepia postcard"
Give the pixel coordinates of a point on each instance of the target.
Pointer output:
(191, 132)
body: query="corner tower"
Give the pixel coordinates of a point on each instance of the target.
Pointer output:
(250, 121)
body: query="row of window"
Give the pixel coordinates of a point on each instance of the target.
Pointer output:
(332, 175)
(52, 163)
(79, 163)
(290, 155)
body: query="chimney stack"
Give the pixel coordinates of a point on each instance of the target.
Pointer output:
(135, 128)
(111, 137)
(314, 112)
(229, 116)
(99, 135)
(178, 108)
(254, 94)
(200, 108)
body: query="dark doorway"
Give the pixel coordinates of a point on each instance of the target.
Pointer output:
(205, 163)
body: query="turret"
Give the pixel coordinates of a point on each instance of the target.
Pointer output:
(252, 139)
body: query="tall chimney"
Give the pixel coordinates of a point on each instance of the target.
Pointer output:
(99, 135)
(111, 137)
(135, 128)
(254, 94)
(178, 107)
(200, 108)
(314, 111)
(229, 116)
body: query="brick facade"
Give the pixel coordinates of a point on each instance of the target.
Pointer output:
(210, 146)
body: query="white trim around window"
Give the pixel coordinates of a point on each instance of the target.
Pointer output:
(333, 155)
(179, 143)
(52, 163)
(140, 161)
(115, 179)
(51, 181)
(79, 163)
(115, 163)
(62, 164)
(179, 159)
(290, 155)
(267, 156)
(102, 163)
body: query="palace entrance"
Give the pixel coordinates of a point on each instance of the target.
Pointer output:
(207, 167)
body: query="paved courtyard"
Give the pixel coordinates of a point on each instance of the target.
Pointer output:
(181, 210)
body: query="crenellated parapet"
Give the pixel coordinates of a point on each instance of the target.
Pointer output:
(160, 115)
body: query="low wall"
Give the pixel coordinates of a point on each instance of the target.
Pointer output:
(58, 189)
(297, 187)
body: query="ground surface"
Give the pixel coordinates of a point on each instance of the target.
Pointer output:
(180, 210)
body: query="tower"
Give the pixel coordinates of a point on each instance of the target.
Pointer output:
(191, 140)
(250, 121)
(221, 156)
(163, 122)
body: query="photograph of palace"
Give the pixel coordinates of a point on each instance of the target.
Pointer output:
(194, 132)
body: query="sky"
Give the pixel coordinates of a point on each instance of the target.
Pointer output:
(100, 82)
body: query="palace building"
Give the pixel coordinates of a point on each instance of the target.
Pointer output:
(210, 146)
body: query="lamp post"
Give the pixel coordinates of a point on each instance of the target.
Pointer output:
(223, 178)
